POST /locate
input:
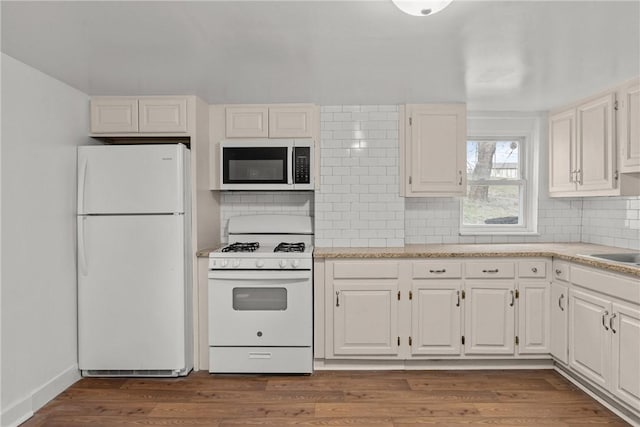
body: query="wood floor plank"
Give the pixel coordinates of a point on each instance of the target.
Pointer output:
(224, 410)
(329, 398)
(395, 409)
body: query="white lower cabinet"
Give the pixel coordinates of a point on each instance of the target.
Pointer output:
(604, 343)
(558, 320)
(365, 318)
(625, 329)
(533, 317)
(589, 336)
(364, 305)
(404, 309)
(436, 317)
(490, 317)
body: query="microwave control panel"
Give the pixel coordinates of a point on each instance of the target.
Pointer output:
(302, 160)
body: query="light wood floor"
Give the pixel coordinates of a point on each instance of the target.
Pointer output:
(330, 398)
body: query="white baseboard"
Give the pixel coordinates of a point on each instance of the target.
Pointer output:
(441, 364)
(24, 409)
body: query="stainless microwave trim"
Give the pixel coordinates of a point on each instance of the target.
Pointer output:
(290, 144)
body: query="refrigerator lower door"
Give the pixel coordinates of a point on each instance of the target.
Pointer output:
(132, 295)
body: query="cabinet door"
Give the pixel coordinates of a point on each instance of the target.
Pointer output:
(589, 337)
(558, 321)
(247, 122)
(116, 114)
(290, 122)
(533, 317)
(562, 127)
(629, 132)
(365, 317)
(490, 317)
(163, 114)
(595, 146)
(625, 329)
(436, 154)
(436, 317)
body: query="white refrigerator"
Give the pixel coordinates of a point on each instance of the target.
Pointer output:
(134, 260)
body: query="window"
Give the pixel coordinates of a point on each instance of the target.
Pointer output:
(497, 199)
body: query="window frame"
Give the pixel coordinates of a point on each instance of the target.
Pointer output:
(493, 128)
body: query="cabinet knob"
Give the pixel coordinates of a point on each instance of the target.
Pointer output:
(534, 269)
(558, 271)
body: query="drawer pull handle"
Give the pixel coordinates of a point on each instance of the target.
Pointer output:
(560, 302)
(443, 270)
(534, 269)
(495, 270)
(613, 316)
(513, 299)
(558, 271)
(458, 294)
(259, 355)
(605, 314)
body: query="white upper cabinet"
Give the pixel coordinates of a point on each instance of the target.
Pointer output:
(162, 115)
(562, 145)
(629, 126)
(121, 115)
(291, 122)
(263, 121)
(247, 122)
(435, 150)
(594, 143)
(114, 114)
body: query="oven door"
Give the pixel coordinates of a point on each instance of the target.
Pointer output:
(256, 167)
(260, 308)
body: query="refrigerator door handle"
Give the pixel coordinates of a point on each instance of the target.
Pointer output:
(81, 185)
(82, 256)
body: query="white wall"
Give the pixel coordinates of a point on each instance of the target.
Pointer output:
(43, 120)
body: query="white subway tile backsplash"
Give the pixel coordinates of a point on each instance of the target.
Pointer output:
(359, 145)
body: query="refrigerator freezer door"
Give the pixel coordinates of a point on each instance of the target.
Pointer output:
(131, 292)
(122, 179)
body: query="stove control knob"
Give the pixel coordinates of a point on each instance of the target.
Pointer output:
(260, 263)
(283, 263)
(224, 263)
(236, 263)
(295, 263)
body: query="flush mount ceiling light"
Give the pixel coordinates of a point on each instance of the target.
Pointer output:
(421, 7)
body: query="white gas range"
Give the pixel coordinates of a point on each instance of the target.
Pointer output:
(260, 297)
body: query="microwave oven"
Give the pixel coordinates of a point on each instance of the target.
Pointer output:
(266, 164)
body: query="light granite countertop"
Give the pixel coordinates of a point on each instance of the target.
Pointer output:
(573, 252)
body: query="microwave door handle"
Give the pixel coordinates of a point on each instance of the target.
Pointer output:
(292, 166)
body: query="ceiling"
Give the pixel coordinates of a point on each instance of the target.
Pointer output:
(493, 55)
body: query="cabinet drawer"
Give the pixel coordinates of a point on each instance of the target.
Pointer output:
(260, 360)
(561, 271)
(437, 270)
(618, 286)
(365, 270)
(489, 270)
(532, 269)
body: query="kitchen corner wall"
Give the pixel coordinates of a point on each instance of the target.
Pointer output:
(43, 120)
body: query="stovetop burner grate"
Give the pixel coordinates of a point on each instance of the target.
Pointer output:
(289, 247)
(241, 247)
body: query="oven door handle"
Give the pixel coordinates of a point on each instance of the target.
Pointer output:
(261, 275)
